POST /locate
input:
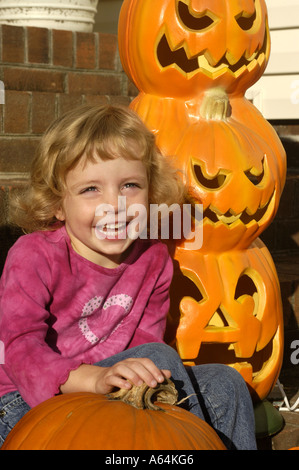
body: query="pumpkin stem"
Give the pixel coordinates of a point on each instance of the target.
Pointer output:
(145, 396)
(215, 105)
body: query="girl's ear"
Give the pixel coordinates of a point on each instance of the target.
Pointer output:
(59, 214)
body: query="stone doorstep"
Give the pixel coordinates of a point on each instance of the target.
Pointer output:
(288, 437)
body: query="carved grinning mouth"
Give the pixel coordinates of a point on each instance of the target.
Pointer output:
(180, 58)
(230, 217)
(214, 216)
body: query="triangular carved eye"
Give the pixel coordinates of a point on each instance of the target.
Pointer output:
(246, 286)
(255, 176)
(215, 182)
(196, 22)
(245, 21)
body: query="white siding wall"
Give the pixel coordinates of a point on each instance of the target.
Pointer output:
(276, 94)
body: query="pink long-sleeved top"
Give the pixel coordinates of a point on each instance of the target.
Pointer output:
(59, 310)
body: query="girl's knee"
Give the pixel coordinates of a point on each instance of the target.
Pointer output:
(164, 356)
(232, 376)
(213, 376)
(162, 350)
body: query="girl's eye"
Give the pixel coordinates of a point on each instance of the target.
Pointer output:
(131, 185)
(89, 189)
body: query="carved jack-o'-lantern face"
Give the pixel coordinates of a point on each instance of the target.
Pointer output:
(234, 173)
(177, 48)
(227, 309)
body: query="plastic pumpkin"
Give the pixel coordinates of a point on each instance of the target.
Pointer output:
(192, 64)
(231, 159)
(87, 421)
(233, 172)
(191, 45)
(226, 308)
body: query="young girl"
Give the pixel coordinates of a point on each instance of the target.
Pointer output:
(83, 303)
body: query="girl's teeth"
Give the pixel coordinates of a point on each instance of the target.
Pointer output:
(115, 226)
(111, 229)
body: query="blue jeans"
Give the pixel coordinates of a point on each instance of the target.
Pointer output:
(222, 398)
(12, 409)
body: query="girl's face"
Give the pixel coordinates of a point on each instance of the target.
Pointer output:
(95, 221)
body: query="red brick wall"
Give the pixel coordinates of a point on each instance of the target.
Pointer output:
(45, 72)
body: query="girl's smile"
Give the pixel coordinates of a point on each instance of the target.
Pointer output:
(102, 236)
(112, 231)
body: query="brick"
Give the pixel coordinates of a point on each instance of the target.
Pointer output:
(99, 100)
(17, 112)
(38, 45)
(23, 79)
(16, 153)
(108, 51)
(62, 48)
(68, 102)
(94, 84)
(43, 111)
(85, 51)
(120, 100)
(132, 89)
(13, 44)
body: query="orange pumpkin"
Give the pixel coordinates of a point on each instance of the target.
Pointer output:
(189, 45)
(233, 172)
(236, 169)
(226, 308)
(86, 421)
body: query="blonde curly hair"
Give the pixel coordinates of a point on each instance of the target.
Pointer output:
(89, 132)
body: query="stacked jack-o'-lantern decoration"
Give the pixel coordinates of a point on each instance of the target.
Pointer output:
(192, 61)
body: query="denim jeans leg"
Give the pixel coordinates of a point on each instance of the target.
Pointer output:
(12, 409)
(226, 403)
(164, 357)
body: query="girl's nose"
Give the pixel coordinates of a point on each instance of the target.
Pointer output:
(109, 204)
(116, 202)
(110, 197)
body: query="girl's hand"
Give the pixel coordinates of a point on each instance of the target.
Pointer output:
(124, 374)
(132, 371)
